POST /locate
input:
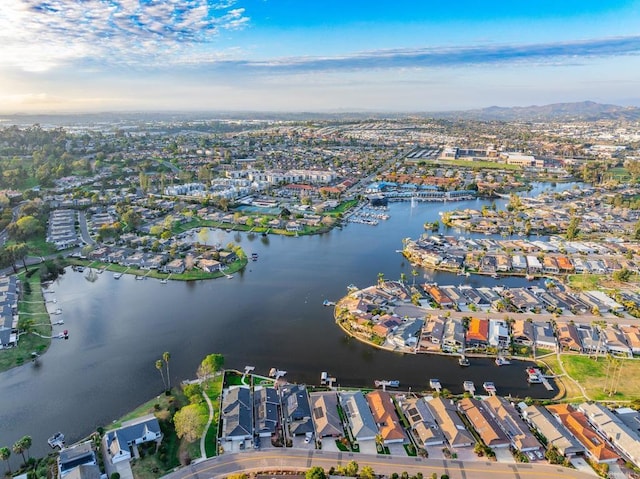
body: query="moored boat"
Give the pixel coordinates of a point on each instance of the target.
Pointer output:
(463, 361)
(57, 440)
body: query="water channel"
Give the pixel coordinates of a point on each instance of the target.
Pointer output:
(270, 315)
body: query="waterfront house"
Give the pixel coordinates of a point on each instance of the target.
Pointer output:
(227, 257)
(478, 333)
(385, 416)
(511, 423)
(359, 418)
(483, 422)
(451, 425)
(568, 337)
(544, 337)
(175, 267)
(533, 264)
(564, 264)
(554, 432)
(499, 333)
(522, 299)
(578, 425)
(609, 304)
(522, 332)
(550, 265)
(518, 263)
(122, 444)
(453, 336)
(434, 329)
(75, 456)
(386, 325)
(296, 409)
(423, 424)
(209, 265)
(265, 411)
(575, 305)
(610, 426)
(325, 414)
(236, 414)
(407, 333)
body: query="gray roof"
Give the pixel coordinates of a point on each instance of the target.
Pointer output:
(236, 413)
(132, 432)
(295, 401)
(265, 401)
(85, 471)
(613, 428)
(71, 457)
(363, 425)
(555, 432)
(325, 414)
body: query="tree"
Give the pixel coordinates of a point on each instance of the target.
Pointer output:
(623, 275)
(18, 448)
(414, 273)
(28, 226)
(5, 454)
(209, 366)
(159, 366)
(190, 422)
(166, 356)
(367, 473)
(574, 228)
(315, 472)
(26, 442)
(351, 469)
(380, 279)
(403, 278)
(18, 252)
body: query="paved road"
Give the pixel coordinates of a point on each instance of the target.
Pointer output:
(84, 230)
(300, 459)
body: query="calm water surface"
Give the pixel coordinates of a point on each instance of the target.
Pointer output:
(270, 315)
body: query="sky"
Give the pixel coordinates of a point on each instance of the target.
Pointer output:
(315, 55)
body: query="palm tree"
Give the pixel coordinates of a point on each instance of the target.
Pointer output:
(5, 454)
(380, 279)
(166, 356)
(26, 443)
(403, 278)
(18, 448)
(414, 273)
(159, 368)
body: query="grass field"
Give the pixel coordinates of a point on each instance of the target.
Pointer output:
(596, 376)
(484, 165)
(585, 281)
(32, 307)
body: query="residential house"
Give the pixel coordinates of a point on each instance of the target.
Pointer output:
(407, 333)
(632, 337)
(265, 411)
(75, 456)
(511, 424)
(209, 265)
(227, 257)
(422, 421)
(625, 439)
(361, 422)
(483, 422)
(614, 341)
(453, 336)
(176, 266)
(477, 334)
(522, 332)
(446, 416)
(568, 337)
(385, 416)
(122, 444)
(296, 409)
(544, 337)
(550, 265)
(236, 414)
(438, 295)
(325, 414)
(578, 425)
(499, 334)
(554, 432)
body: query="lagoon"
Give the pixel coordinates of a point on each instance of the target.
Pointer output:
(269, 315)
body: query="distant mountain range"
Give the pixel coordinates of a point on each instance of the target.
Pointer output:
(585, 111)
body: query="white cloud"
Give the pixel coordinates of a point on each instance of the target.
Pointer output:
(39, 34)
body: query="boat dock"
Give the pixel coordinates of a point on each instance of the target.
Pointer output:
(469, 387)
(435, 384)
(535, 376)
(490, 388)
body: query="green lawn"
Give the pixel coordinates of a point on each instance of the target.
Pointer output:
(585, 281)
(31, 306)
(213, 390)
(596, 377)
(484, 165)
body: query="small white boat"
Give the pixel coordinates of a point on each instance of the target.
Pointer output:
(469, 387)
(463, 361)
(500, 361)
(435, 384)
(117, 275)
(393, 383)
(489, 387)
(163, 281)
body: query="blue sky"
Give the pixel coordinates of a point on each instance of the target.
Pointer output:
(324, 55)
